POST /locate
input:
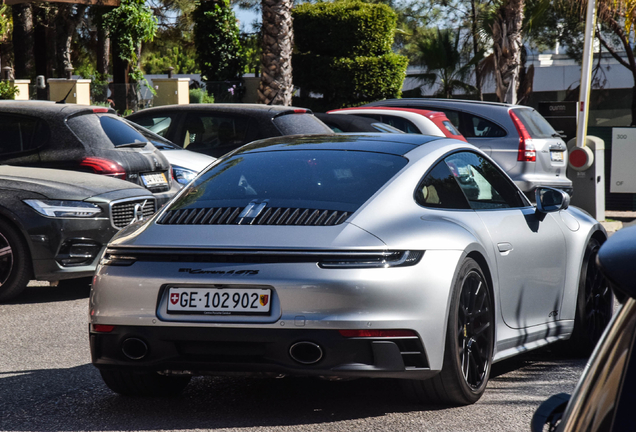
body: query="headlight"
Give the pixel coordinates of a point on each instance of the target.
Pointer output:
(183, 175)
(56, 208)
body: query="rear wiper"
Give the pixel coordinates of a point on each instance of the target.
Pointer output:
(134, 144)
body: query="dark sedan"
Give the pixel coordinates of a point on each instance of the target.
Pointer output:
(81, 138)
(217, 129)
(54, 224)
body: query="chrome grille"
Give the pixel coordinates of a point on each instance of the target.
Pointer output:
(269, 216)
(123, 213)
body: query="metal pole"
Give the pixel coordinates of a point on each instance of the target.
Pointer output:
(586, 74)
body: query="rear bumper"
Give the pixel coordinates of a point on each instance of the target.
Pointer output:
(209, 351)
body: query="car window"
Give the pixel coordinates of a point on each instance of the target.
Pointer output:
(104, 131)
(21, 134)
(483, 183)
(439, 189)
(535, 124)
(119, 132)
(157, 124)
(308, 179)
(479, 127)
(205, 132)
(296, 123)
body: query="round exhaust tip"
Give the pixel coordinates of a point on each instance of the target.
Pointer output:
(306, 352)
(134, 349)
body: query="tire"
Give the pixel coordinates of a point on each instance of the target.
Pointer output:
(15, 262)
(594, 304)
(129, 383)
(469, 343)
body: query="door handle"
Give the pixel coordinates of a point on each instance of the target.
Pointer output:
(504, 248)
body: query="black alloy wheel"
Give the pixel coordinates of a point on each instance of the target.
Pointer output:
(469, 345)
(15, 262)
(474, 330)
(595, 303)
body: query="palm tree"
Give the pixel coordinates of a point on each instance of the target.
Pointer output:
(442, 60)
(276, 70)
(507, 46)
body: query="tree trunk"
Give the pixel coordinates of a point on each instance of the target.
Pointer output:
(68, 17)
(474, 31)
(507, 44)
(276, 71)
(121, 80)
(23, 41)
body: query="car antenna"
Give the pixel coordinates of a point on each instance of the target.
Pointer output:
(63, 101)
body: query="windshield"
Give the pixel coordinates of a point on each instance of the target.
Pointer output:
(307, 179)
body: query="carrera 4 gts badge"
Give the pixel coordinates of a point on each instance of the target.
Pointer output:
(219, 272)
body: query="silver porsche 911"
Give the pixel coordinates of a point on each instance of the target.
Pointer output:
(392, 256)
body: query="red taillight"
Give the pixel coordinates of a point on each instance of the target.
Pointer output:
(527, 151)
(104, 166)
(300, 111)
(101, 328)
(377, 333)
(100, 110)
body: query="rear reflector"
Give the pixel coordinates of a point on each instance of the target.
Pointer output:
(101, 328)
(377, 333)
(104, 167)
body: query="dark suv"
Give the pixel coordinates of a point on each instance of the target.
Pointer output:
(81, 138)
(217, 129)
(517, 137)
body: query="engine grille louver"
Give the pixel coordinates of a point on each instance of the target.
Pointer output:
(270, 216)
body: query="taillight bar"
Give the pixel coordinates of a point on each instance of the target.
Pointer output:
(104, 167)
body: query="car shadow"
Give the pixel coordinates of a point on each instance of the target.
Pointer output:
(76, 399)
(42, 292)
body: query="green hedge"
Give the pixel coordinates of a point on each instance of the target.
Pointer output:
(344, 29)
(350, 81)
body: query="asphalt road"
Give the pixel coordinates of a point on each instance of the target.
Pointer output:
(48, 384)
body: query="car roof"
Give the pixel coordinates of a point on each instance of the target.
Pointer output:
(270, 110)
(440, 102)
(396, 144)
(49, 108)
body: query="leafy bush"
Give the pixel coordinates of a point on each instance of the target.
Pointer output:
(216, 37)
(200, 96)
(344, 54)
(8, 90)
(351, 81)
(344, 29)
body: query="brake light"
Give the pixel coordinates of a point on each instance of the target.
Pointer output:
(100, 110)
(300, 111)
(527, 151)
(103, 166)
(377, 333)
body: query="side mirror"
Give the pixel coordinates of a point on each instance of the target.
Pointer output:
(549, 412)
(551, 200)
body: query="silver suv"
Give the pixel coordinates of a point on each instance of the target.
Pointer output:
(517, 137)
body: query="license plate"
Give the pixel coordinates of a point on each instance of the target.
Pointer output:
(154, 179)
(219, 301)
(556, 156)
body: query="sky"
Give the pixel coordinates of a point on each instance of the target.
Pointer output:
(246, 18)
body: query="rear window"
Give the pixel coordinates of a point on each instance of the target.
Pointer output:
(307, 179)
(105, 131)
(292, 124)
(535, 124)
(21, 134)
